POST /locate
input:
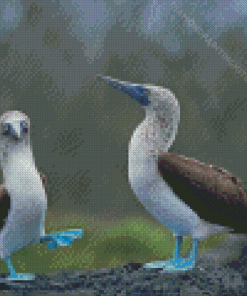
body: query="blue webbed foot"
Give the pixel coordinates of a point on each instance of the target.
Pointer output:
(155, 264)
(173, 265)
(21, 277)
(14, 276)
(177, 263)
(62, 238)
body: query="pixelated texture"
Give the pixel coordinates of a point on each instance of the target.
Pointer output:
(209, 191)
(51, 50)
(34, 15)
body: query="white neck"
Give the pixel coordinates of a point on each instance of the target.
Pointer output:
(151, 138)
(17, 160)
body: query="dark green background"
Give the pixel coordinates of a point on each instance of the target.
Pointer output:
(81, 127)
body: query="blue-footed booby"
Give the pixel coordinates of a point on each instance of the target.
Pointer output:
(23, 200)
(184, 194)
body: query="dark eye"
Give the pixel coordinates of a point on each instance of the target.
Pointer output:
(25, 130)
(6, 132)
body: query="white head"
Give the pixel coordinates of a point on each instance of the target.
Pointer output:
(14, 132)
(162, 113)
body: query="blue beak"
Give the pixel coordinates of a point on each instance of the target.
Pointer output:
(17, 129)
(137, 92)
(14, 130)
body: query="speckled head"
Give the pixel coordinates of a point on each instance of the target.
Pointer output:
(162, 112)
(153, 98)
(14, 125)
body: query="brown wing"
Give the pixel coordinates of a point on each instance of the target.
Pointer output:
(213, 193)
(4, 206)
(43, 178)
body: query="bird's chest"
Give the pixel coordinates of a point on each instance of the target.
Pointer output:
(143, 173)
(27, 192)
(158, 198)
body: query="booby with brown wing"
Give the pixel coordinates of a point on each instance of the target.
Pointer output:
(188, 196)
(23, 198)
(23, 192)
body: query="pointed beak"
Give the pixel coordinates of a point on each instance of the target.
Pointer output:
(135, 91)
(17, 129)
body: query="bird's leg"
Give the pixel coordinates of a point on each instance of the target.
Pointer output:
(14, 276)
(176, 255)
(178, 243)
(62, 238)
(177, 263)
(194, 249)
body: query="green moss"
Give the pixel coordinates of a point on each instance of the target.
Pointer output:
(104, 244)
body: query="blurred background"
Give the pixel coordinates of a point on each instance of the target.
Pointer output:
(50, 52)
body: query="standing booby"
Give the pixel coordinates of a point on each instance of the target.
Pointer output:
(184, 194)
(23, 201)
